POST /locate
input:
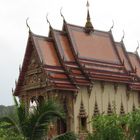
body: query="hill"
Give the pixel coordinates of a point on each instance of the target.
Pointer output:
(6, 110)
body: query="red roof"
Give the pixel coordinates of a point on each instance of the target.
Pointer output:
(73, 57)
(135, 61)
(96, 46)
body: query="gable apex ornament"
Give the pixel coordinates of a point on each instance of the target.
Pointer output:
(48, 21)
(136, 51)
(111, 26)
(88, 26)
(123, 36)
(62, 15)
(28, 24)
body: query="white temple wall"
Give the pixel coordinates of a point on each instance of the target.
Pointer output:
(76, 112)
(103, 93)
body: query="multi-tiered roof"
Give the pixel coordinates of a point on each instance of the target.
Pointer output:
(77, 56)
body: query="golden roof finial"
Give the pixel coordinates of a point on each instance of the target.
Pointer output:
(88, 25)
(87, 5)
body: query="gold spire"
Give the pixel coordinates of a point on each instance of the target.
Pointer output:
(88, 25)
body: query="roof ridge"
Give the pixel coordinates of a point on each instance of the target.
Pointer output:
(95, 30)
(131, 52)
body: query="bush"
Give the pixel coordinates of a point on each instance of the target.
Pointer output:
(8, 134)
(66, 136)
(115, 127)
(107, 128)
(134, 125)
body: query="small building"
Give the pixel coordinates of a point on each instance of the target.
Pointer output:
(84, 69)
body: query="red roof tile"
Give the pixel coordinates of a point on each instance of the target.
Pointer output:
(123, 56)
(135, 62)
(47, 51)
(73, 58)
(96, 46)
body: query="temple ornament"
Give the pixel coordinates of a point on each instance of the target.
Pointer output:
(88, 26)
(96, 111)
(122, 112)
(82, 118)
(109, 109)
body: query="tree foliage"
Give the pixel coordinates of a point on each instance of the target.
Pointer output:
(116, 127)
(8, 134)
(33, 125)
(66, 136)
(134, 125)
(107, 128)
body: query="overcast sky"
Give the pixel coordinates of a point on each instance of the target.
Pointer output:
(14, 33)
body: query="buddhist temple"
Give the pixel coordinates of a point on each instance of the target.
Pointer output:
(84, 69)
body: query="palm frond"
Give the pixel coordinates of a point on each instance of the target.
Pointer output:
(34, 125)
(44, 114)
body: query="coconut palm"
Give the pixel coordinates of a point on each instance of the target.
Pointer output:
(33, 125)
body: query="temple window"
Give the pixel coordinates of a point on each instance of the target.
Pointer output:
(32, 104)
(40, 100)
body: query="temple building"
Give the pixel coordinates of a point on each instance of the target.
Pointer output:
(84, 69)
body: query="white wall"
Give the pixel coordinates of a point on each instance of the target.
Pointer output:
(104, 93)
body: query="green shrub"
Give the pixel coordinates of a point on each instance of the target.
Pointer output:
(8, 134)
(108, 128)
(116, 127)
(66, 136)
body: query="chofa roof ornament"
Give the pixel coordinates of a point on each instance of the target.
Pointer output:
(48, 21)
(136, 51)
(112, 26)
(123, 36)
(62, 14)
(88, 25)
(28, 24)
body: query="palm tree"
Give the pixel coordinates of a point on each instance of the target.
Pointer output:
(33, 125)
